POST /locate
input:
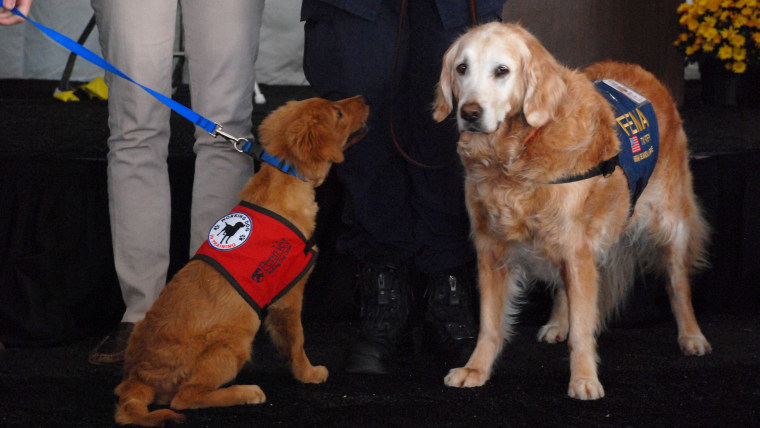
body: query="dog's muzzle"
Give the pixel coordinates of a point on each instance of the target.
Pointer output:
(471, 114)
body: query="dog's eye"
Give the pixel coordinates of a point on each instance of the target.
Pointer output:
(338, 112)
(501, 71)
(462, 69)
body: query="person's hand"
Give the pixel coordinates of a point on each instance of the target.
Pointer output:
(7, 18)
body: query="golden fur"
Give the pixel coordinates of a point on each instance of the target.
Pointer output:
(524, 121)
(200, 331)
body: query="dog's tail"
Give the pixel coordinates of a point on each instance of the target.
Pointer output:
(134, 398)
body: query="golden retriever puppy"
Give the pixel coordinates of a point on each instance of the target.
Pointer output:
(199, 332)
(548, 201)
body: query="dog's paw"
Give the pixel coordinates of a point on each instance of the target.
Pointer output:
(552, 333)
(694, 345)
(464, 377)
(585, 389)
(251, 394)
(314, 374)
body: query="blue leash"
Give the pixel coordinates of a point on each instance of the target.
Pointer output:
(243, 145)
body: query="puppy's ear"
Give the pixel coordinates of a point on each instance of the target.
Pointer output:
(446, 91)
(313, 142)
(545, 88)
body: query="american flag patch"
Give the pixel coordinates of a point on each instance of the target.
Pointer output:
(635, 147)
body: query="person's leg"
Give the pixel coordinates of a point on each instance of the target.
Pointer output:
(139, 41)
(221, 44)
(442, 223)
(344, 56)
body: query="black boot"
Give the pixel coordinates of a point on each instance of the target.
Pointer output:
(385, 299)
(451, 314)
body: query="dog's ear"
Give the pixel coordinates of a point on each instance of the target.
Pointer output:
(446, 91)
(545, 88)
(313, 141)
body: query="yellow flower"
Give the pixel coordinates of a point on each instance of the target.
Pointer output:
(706, 31)
(686, 7)
(712, 34)
(739, 67)
(740, 21)
(725, 52)
(713, 5)
(737, 40)
(691, 23)
(728, 32)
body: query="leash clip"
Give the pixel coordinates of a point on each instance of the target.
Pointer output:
(237, 143)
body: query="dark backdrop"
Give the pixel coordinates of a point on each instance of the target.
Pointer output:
(57, 282)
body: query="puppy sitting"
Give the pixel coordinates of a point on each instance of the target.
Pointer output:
(200, 330)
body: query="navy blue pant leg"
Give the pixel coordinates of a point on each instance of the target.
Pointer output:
(395, 211)
(344, 56)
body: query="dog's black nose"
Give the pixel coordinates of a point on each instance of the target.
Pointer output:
(471, 112)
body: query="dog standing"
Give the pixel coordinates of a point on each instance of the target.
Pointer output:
(531, 134)
(199, 332)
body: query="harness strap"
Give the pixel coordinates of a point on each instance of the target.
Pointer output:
(604, 168)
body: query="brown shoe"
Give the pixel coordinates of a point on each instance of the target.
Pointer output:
(111, 349)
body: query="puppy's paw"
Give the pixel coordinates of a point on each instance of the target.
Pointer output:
(585, 389)
(251, 394)
(314, 374)
(694, 345)
(552, 333)
(464, 377)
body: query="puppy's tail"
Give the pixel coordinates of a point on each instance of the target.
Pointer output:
(134, 398)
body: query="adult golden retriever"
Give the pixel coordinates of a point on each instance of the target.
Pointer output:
(525, 122)
(200, 331)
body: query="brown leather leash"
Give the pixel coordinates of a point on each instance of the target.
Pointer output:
(401, 151)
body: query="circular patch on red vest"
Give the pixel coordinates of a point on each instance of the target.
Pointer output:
(230, 231)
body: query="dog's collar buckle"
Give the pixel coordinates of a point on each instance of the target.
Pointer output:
(236, 142)
(255, 150)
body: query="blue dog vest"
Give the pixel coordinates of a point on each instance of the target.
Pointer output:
(637, 131)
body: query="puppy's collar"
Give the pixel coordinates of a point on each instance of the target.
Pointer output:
(255, 150)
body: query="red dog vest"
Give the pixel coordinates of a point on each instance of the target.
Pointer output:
(259, 252)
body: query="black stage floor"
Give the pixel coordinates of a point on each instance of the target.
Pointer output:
(58, 295)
